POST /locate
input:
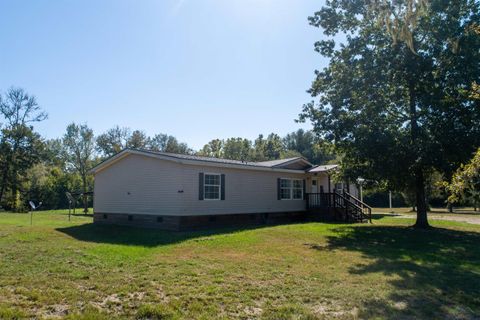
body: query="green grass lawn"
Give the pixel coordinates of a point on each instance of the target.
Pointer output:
(78, 270)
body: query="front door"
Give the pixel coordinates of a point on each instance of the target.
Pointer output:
(314, 186)
(314, 199)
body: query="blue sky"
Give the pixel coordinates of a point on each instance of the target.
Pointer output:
(196, 69)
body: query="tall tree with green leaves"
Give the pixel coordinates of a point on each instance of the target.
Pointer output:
(213, 149)
(113, 141)
(309, 146)
(394, 98)
(269, 148)
(465, 183)
(79, 143)
(167, 143)
(237, 149)
(137, 140)
(20, 146)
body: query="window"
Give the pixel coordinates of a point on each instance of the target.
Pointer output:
(212, 187)
(339, 187)
(297, 189)
(285, 189)
(291, 189)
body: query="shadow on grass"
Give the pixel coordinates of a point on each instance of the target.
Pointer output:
(436, 272)
(136, 236)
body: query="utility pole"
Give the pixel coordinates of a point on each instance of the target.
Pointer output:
(390, 199)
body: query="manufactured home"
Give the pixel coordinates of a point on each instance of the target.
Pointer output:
(183, 192)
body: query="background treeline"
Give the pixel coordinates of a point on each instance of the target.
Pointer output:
(38, 169)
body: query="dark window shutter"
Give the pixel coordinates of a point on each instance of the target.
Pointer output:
(200, 186)
(222, 187)
(304, 189)
(279, 196)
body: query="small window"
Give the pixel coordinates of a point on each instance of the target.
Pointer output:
(339, 187)
(291, 189)
(212, 218)
(159, 219)
(105, 216)
(212, 187)
(130, 218)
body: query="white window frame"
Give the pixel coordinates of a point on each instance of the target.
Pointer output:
(291, 188)
(343, 184)
(219, 185)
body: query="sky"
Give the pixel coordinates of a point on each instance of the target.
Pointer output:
(195, 69)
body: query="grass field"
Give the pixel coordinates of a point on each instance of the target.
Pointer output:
(77, 270)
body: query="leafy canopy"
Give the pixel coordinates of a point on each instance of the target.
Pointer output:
(396, 97)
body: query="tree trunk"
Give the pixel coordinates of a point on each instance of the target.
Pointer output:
(420, 198)
(450, 206)
(4, 181)
(85, 202)
(5, 170)
(422, 221)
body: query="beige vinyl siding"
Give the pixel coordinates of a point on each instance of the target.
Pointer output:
(245, 192)
(137, 184)
(322, 180)
(154, 187)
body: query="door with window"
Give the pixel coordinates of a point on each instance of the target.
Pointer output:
(315, 198)
(314, 186)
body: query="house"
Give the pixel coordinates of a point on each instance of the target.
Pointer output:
(178, 192)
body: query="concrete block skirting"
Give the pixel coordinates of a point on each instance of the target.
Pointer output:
(186, 223)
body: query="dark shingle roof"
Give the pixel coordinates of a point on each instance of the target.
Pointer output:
(267, 164)
(273, 164)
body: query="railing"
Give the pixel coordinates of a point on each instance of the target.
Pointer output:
(366, 209)
(349, 207)
(319, 200)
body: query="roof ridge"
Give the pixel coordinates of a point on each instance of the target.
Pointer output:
(183, 156)
(285, 159)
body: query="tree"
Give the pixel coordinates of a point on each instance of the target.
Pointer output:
(270, 148)
(309, 146)
(166, 143)
(273, 147)
(113, 141)
(237, 149)
(391, 98)
(465, 184)
(79, 145)
(137, 140)
(53, 153)
(213, 149)
(20, 146)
